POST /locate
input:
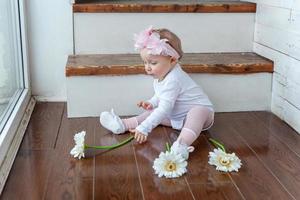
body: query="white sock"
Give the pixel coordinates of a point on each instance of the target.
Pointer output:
(112, 122)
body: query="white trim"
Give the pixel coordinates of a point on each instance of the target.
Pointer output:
(13, 146)
(50, 99)
(12, 124)
(24, 44)
(9, 109)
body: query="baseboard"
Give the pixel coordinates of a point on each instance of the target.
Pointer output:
(50, 99)
(14, 146)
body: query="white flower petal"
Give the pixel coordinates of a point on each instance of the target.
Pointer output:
(78, 149)
(224, 161)
(79, 137)
(175, 162)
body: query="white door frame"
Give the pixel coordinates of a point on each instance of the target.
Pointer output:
(15, 126)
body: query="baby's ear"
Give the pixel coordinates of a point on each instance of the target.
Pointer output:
(173, 60)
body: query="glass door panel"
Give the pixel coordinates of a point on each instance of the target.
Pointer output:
(11, 69)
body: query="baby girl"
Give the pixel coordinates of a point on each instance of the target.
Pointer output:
(178, 101)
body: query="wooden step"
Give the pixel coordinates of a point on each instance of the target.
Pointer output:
(163, 6)
(126, 64)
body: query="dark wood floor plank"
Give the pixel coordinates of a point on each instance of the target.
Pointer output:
(153, 186)
(254, 180)
(43, 127)
(116, 174)
(215, 191)
(71, 178)
(28, 176)
(203, 179)
(283, 163)
(281, 130)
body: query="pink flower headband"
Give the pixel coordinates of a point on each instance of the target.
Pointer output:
(150, 40)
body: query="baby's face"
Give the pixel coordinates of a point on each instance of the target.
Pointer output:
(156, 65)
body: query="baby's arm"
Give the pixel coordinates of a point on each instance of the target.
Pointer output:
(149, 104)
(140, 137)
(165, 106)
(154, 101)
(146, 105)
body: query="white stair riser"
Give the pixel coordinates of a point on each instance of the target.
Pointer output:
(89, 96)
(110, 33)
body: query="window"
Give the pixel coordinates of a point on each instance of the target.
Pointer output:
(14, 87)
(11, 77)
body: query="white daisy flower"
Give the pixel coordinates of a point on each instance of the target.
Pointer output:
(170, 165)
(224, 161)
(79, 137)
(80, 146)
(78, 150)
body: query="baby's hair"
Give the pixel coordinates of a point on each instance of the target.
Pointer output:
(173, 39)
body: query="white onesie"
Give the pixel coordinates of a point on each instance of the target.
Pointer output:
(174, 96)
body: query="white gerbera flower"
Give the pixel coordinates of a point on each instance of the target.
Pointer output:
(224, 161)
(79, 137)
(78, 150)
(80, 146)
(170, 165)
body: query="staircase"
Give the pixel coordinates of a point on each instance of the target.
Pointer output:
(217, 39)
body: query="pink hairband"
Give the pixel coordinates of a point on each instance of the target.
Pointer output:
(150, 40)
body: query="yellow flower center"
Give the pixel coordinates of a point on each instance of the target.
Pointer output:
(170, 166)
(224, 161)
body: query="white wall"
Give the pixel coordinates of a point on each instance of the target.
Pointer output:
(98, 33)
(277, 36)
(50, 42)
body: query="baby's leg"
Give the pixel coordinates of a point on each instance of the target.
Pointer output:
(133, 122)
(197, 119)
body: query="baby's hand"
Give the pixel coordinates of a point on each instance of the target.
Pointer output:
(140, 137)
(145, 105)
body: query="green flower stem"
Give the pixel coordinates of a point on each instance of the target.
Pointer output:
(168, 147)
(217, 144)
(112, 146)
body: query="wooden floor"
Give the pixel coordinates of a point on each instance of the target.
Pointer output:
(43, 169)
